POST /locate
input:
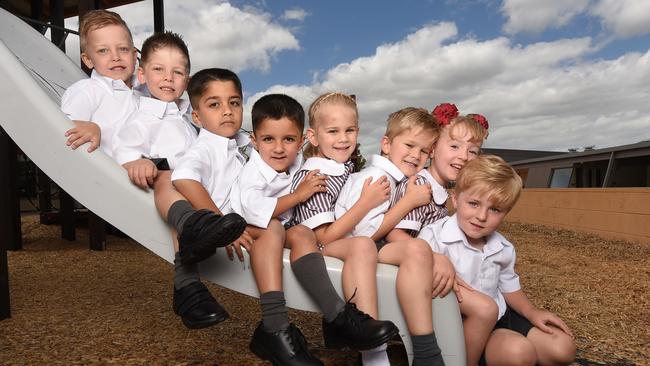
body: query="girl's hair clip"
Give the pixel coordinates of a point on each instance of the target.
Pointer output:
(480, 119)
(444, 113)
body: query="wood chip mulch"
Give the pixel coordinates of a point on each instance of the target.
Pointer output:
(72, 306)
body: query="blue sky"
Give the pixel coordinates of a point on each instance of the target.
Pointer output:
(547, 74)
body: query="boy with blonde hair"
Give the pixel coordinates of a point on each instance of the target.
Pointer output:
(405, 148)
(486, 189)
(100, 104)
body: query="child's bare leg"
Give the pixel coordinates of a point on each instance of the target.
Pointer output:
(266, 256)
(480, 314)
(552, 349)
(414, 290)
(414, 281)
(164, 193)
(359, 256)
(509, 348)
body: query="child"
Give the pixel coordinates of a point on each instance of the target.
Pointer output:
(100, 104)
(262, 194)
(486, 189)
(150, 144)
(405, 148)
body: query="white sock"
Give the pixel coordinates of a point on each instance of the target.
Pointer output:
(375, 357)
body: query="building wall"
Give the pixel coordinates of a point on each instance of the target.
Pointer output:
(615, 213)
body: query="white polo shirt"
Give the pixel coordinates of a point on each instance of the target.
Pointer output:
(319, 208)
(425, 214)
(256, 191)
(107, 102)
(215, 162)
(157, 130)
(377, 166)
(491, 271)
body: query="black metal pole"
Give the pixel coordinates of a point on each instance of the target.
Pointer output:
(158, 16)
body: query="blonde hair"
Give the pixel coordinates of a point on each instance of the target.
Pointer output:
(491, 175)
(314, 114)
(411, 118)
(96, 19)
(466, 124)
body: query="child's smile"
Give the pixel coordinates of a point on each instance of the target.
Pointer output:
(409, 150)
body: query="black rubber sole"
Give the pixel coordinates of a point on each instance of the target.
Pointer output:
(340, 343)
(205, 323)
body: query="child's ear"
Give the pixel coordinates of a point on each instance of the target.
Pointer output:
(385, 145)
(87, 61)
(253, 140)
(140, 74)
(311, 137)
(196, 119)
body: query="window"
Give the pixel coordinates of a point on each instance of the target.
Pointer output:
(561, 178)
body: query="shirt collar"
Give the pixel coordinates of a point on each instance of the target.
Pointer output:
(326, 166)
(269, 173)
(387, 166)
(438, 192)
(451, 233)
(160, 108)
(113, 84)
(237, 141)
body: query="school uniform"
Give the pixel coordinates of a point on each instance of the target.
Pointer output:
(104, 101)
(157, 130)
(256, 191)
(378, 166)
(215, 162)
(423, 215)
(319, 208)
(491, 271)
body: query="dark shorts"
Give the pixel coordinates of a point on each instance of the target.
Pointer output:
(510, 320)
(380, 244)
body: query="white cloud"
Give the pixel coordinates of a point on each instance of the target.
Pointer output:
(626, 18)
(539, 96)
(534, 16)
(217, 34)
(296, 14)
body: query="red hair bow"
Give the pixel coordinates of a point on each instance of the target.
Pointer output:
(480, 119)
(444, 113)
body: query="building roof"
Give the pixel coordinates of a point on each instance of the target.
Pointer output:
(70, 7)
(510, 155)
(590, 154)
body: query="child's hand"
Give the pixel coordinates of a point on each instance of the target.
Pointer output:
(444, 275)
(542, 319)
(142, 172)
(375, 193)
(82, 132)
(417, 195)
(244, 240)
(310, 185)
(457, 285)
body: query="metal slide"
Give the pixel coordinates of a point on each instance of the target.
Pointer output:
(34, 74)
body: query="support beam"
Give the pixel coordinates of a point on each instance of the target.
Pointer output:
(57, 18)
(158, 16)
(10, 235)
(611, 167)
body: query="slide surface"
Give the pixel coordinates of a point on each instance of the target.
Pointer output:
(34, 74)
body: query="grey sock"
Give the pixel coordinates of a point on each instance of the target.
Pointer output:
(274, 311)
(311, 272)
(178, 213)
(184, 274)
(426, 350)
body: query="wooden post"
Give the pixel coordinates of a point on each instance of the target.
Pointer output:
(158, 16)
(10, 235)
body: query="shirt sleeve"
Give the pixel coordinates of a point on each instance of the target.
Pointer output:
(254, 206)
(428, 234)
(317, 210)
(350, 194)
(508, 278)
(132, 141)
(77, 102)
(192, 166)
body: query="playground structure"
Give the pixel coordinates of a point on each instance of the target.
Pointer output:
(34, 74)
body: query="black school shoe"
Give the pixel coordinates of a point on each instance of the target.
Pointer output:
(196, 306)
(205, 231)
(285, 347)
(357, 330)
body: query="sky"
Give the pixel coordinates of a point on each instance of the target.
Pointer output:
(548, 75)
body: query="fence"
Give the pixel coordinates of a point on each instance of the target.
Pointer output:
(614, 213)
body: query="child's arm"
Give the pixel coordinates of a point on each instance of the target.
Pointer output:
(415, 196)
(78, 103)
(142, 172)
(310, 185)
(541, 319)
(372, 195)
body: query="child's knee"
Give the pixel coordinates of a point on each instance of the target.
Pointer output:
(364, 248)
(482, 308)
(418, 253)
(563, 348)
(276, 229)
(519, 352)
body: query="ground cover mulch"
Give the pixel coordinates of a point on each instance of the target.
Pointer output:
(71, 306)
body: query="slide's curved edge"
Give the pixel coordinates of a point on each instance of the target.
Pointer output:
(30, 114)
